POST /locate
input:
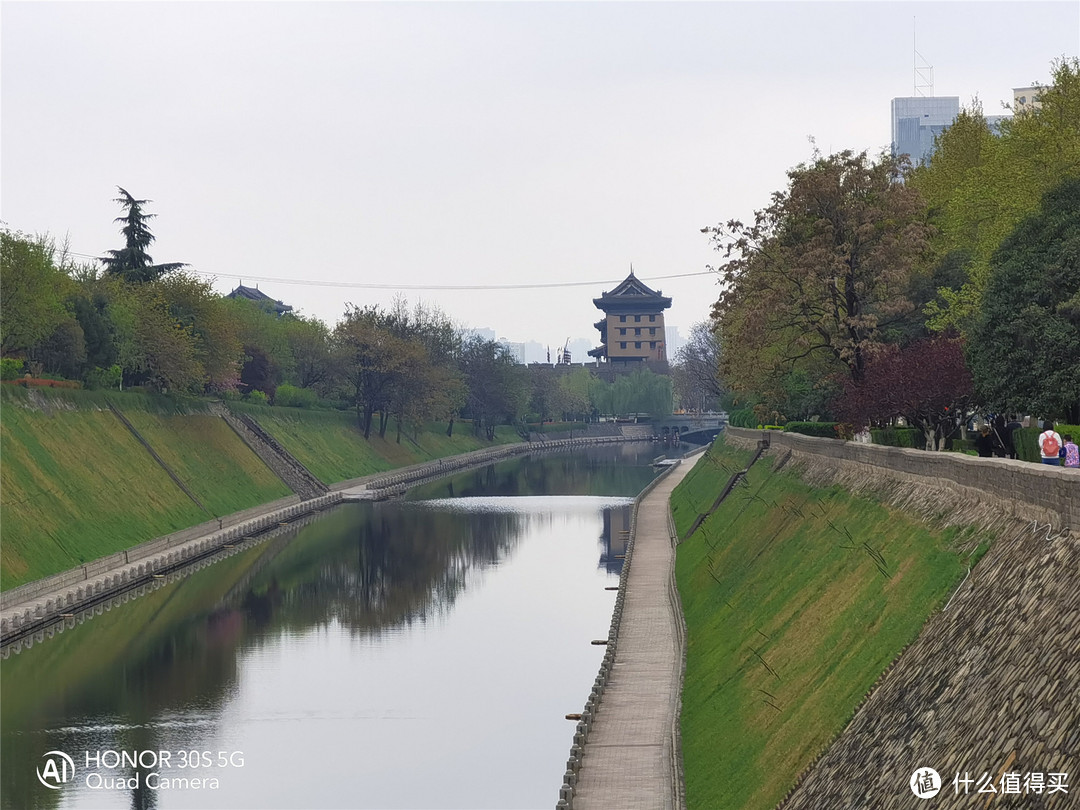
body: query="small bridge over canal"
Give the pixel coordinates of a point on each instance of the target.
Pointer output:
(694, 428)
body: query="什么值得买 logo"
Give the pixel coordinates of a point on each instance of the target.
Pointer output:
(58, 769)
(925, 783)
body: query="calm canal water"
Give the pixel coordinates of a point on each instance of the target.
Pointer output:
(411, 654)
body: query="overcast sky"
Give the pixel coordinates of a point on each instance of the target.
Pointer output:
(463, 143)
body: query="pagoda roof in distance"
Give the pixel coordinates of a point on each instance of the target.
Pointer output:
(258, 296)
(632, 292)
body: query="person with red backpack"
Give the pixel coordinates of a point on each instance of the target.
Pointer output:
(1050, 444)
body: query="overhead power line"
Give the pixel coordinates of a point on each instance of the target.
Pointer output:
(371, 286)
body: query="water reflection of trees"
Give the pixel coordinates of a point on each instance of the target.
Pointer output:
(397, 565)
(168, 652)
(620, 469)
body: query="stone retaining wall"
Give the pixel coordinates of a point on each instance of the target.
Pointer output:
(989, 687)
(1002, 486)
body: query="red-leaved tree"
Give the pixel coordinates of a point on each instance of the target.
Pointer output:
(927, 383)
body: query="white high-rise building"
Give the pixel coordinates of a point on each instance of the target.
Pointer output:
(1027, 98)
(917, 120)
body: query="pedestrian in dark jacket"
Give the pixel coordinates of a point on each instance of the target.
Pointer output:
(984, 442)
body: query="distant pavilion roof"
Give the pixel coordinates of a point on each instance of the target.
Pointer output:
(632, 294)
(259, 297)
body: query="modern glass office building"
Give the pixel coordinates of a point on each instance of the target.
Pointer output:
(917, 120)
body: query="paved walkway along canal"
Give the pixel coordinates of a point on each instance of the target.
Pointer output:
(631, 759)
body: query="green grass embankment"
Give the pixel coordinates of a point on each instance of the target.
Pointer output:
(333, 448)
(76, 485)
(790, 619)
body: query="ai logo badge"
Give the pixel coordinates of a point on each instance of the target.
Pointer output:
(58, 769)
(925, 783)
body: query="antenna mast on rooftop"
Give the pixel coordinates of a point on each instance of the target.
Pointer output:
(924, 71)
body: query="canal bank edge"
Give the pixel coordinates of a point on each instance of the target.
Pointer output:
(28, 608)
(675, 788)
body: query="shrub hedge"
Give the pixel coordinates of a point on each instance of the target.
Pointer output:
(744, 418)
(825, 430)
(10, 368)
(37, 382)
(898, 437)
(1027, 440)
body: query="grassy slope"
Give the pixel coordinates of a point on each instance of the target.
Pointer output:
(228, 478)
(821, 616)
(75, 485)
(330, 445)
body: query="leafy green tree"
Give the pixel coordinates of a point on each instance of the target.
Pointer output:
(602, 397)
(153, 348)
(267, 358)
(821, 273)
(573, 394)
(132, 262)
(195, 306)
(640, 392)
(32, 292)
(432, 386)
(545, 396)
(497, 387)
(369, 359)
(64, 351)
(652, 392)
(1025, 351)
(980, 187)
(90, 311)
(308, 340)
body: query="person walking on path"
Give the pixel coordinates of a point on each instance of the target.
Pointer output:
(1050, 444)
(1072, 452)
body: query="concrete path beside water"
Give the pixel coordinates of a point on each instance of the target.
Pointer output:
(631, 760)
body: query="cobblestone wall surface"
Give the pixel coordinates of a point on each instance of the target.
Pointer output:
(991, 687)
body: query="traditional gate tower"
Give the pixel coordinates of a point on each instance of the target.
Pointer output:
(632, 330)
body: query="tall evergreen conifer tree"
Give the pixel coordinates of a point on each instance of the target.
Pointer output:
(132, 262)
